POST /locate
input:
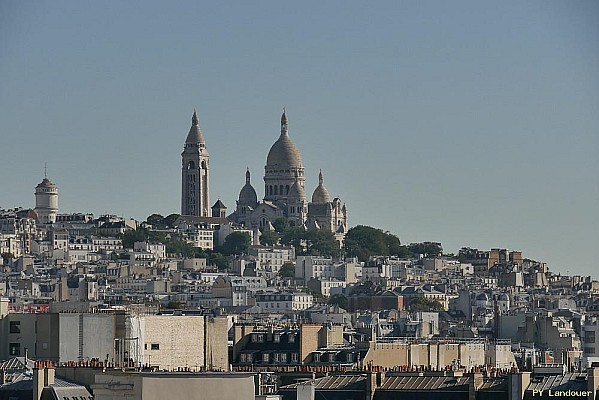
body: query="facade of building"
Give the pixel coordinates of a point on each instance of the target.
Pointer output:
(284, 193)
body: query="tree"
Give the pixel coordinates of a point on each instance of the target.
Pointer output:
(169, 220)
(287, 270)
(338, 300)
(421, 303)
(268, 237)
(280, 225)
(311, 242)
(427, 249)
(218, 260)
(365, 241)
(466, 253)
(365, 288)
(236, 243)
(132, 236)
(156, 220)
(173, 305)
(321, 243)
(184, 248)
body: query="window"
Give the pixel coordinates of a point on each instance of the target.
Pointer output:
(294, 357)
(14, 349)
(15, 327)
(317, 357)
(155, 346)
(589, 337)
(277, 337)
(349, 357)
(260, 338)
(265, 357)
(291, 338)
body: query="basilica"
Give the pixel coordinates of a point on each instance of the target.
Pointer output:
(284, 193)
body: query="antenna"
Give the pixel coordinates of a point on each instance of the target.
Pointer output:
(45, 170)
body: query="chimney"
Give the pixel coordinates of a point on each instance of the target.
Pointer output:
(593, 380)
(38, 383)
(49, 376)
(518, 383)
(42, 377)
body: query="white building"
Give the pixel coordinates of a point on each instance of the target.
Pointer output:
(272, 258)
(307, 267)
(284, 302)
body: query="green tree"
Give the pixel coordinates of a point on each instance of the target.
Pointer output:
(338, 300)
(169, 220)
(280, 225)
(236, 243)
(311, 242)
(268, 237)
(294, 237)
(321, 243)
(365, 241)
(365, 288)
(156, 220)
(421, 303)
(184, 248)
(466, 253)
(132, 236)
(428, 249)
(287, 270)
(218, 260)
(173, 305)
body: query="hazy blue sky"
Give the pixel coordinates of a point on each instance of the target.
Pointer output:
(472, 123)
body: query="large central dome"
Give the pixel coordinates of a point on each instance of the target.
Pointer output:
(284, 153)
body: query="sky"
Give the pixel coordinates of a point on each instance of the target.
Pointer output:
(470, 123)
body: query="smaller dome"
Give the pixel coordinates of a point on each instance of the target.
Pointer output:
(296, 191)
(321, 194)
(247, 195)
(504, 297)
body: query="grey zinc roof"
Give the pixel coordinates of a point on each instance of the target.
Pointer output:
(568, 381)
(422, 382)
(333, 382)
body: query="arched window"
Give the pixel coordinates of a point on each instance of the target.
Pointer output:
(276, 190)
(281, 189)
(191, 165)
(287, 189)
(203, 164)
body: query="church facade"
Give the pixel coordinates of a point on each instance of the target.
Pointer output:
(285, 196)
(284, 192)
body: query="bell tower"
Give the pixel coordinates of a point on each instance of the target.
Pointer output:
(195, 197)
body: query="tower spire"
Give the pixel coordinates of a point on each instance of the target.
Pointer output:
(194, 118)
(284, 123)
(45, 170)
(320, 180)
(247, 176)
